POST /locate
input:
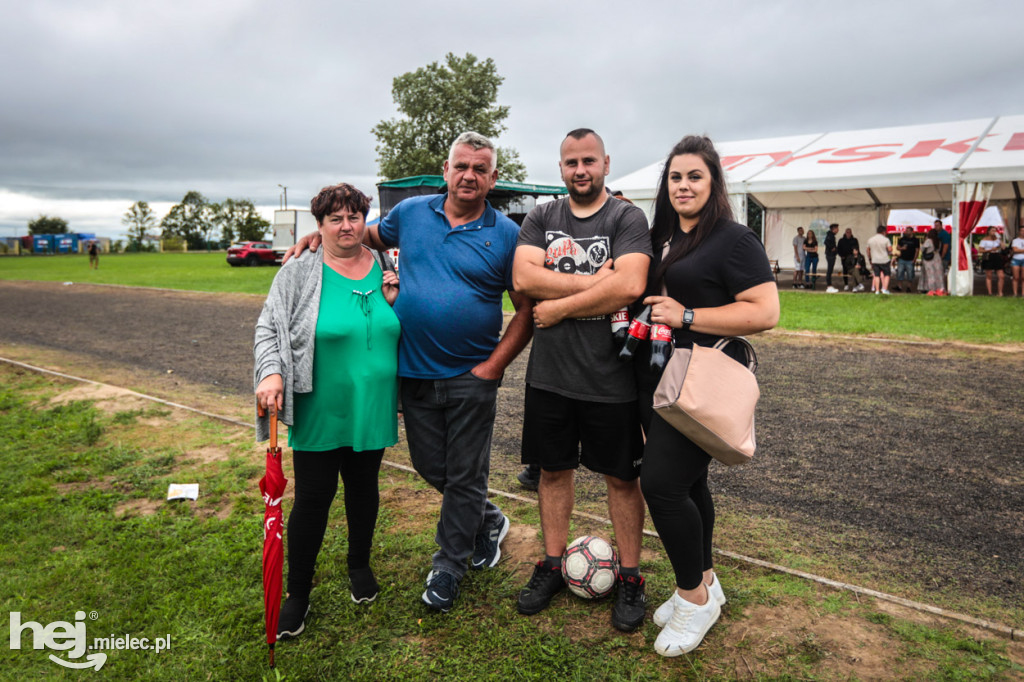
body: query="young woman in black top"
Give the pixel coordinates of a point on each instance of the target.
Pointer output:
(810, 258)
(715, 273)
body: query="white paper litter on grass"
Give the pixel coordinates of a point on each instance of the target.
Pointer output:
(183, 491)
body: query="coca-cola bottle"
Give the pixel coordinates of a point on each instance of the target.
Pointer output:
(661, 346)
(620, 325)
(639, 329)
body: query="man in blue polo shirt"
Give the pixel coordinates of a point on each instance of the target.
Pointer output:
(456, 262)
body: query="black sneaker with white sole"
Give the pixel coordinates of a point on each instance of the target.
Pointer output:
(487, 552)
(442, 589)
(364, 585)
(292, 619)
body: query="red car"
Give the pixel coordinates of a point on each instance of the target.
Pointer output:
(251, 254)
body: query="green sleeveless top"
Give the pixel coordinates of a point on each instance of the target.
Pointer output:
(355, 369)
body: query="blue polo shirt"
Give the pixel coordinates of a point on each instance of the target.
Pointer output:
(452, 281)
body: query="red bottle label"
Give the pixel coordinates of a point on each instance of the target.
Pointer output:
(639, 329)
(661, 332)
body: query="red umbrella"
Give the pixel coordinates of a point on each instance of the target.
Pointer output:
(272, 485)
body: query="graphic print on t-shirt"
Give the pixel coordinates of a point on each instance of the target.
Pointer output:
(583, 256)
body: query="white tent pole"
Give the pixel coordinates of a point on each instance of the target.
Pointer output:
(954, 243)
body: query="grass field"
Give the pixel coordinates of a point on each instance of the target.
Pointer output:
(86, 528)
(976, 319)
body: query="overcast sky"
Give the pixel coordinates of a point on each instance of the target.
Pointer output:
(106, 102)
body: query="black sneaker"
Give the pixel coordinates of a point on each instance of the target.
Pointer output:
(630, 603)
(364, 585)
(487, 552)
(292, 619)
(442, 589)
(529, 477)
(544, 584)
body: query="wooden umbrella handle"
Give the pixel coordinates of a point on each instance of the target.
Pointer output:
(273, 422)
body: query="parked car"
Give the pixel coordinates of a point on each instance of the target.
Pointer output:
(251, 254)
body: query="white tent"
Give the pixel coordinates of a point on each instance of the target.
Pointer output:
(990, 218)
(855, 178)
(916, 220)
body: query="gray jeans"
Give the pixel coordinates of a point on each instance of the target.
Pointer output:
(448, 423)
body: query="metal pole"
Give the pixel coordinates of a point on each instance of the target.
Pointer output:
(954, 239)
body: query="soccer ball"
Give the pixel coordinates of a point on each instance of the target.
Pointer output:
(590, 567)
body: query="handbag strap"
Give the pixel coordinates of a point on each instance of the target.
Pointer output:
(748, 350)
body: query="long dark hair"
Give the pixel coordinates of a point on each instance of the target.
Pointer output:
(933, 235)
(666, 220)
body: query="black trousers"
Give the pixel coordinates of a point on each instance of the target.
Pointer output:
(674, 480)
(831, 266)
(316, 484)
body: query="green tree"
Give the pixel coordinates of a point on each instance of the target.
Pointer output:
(139, 220)
(192, 220)
(439, 102)
(239, 220)
(45, 224)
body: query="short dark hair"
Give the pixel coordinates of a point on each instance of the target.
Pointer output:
(337, 197)
(835, 225)
(881, 229)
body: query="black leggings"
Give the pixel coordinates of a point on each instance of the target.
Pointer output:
(316, 483)
(674, 480)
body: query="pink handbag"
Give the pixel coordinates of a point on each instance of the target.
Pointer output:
(710, 398)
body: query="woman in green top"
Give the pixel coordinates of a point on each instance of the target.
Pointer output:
(326, 358)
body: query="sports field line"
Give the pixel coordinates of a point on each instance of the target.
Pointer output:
(1006, 631)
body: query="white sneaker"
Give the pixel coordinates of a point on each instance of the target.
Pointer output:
(663, 614)
(877, 292)
(831, 290)
(846, 287)
(687, 627)
(886, 292)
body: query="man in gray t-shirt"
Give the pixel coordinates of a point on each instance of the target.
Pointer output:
(582, 258)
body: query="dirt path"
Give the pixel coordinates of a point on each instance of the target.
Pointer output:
(909, 454)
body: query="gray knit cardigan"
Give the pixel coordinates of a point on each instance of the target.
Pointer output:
(285, 331)
(287, 325)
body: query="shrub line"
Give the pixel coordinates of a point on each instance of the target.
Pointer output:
(1013, 634)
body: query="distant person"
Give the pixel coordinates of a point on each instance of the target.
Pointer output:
(844, 248)
(880, 257)
(831, 251)
(326, 359)
(798, 259)
(945, 241)
(94, 256)
(932, 280)
(991, 250)
(907, 247)
(810, 259)
(1017, 262)
(856, 268)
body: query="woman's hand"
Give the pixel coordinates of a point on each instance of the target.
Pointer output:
(271, 392)
(390, 286)
(665, 310)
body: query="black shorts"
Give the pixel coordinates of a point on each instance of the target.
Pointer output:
(992, 261)
(561, 433)
(880, 270)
